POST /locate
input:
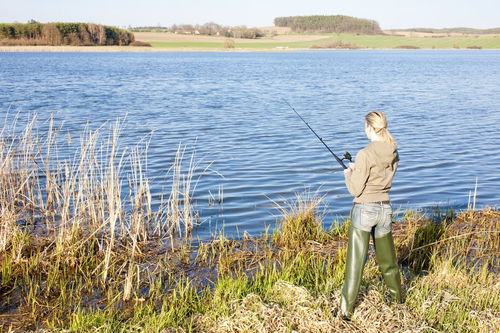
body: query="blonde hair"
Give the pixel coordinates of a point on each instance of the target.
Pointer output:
(378, 122)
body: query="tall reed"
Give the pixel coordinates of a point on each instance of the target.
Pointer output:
(92, 198)
(87, 189)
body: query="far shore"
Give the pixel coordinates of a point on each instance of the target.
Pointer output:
(284, 41)
(135, 49)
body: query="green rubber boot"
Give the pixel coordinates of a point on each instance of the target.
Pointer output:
(357, 250)
(388, 264)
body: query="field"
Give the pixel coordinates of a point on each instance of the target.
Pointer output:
(281, 39)
(306, 41)
(76, 256)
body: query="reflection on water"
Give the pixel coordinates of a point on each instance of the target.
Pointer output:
(443, 108)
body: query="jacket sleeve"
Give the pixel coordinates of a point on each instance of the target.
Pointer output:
(356, 180)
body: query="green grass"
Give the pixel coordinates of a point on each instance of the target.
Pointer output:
(362, 41)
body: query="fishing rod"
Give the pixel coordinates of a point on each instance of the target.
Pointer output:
(346, 156)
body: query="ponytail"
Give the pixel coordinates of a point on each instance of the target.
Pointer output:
(378, 122)
(386, 136)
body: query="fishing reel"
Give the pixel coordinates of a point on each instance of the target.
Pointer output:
(347, 157)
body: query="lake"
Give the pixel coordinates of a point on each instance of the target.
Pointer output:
(443, 109)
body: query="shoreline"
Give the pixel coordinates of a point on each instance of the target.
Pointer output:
(131, 49)
(136, 49)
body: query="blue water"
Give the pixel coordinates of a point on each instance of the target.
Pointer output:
(443, 108)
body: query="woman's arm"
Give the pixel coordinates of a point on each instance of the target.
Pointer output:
(356, 178)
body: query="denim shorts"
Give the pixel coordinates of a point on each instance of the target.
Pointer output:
(372, 216)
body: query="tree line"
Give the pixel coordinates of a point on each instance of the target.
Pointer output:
(208, 29)
(35, 33)
(330, 24)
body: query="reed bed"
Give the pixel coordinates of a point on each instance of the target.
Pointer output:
(77, 226)
(82, 250)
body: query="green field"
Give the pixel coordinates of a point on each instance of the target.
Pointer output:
(361, 41)
(381, 41)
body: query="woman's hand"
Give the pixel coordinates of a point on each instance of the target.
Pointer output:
(349, 169)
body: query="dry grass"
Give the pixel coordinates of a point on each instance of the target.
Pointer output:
(288, 307)
(294, 308)
(300, 224)
(84, 191)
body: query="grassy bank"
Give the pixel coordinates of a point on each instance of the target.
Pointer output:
(80, 254)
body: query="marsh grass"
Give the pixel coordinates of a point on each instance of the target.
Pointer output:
(81, 254)
(299, 223)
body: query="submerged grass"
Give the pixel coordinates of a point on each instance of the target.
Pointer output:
(79, 255)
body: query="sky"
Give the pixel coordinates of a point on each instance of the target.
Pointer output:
(390, 14)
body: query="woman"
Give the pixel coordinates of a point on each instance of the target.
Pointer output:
(369, 180)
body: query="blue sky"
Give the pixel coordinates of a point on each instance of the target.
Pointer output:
(389, 13)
